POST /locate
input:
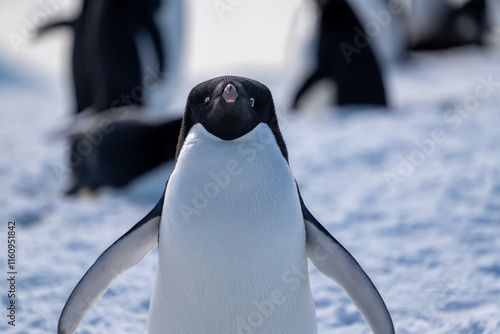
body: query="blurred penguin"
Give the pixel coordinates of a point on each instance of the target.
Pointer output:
(107, 69)
(345, 56)
(118, 60)
(110, 150)
(114, 53)
(81, 72)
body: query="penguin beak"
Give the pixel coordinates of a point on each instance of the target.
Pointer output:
(230, 94)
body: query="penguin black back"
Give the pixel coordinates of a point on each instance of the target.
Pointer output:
(116, 153)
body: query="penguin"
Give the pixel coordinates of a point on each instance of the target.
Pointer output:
(113, 148)
(107, 71)
(108, 76)
(232, 230)
(345, 56)
(115, 52)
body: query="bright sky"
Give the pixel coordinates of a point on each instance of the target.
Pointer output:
(218, 33)
(245, 32)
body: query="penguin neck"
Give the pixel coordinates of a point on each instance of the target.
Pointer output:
(255, 150)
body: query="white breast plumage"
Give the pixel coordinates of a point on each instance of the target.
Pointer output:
(230, 237)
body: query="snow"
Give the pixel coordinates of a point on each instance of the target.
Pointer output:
(413, 192)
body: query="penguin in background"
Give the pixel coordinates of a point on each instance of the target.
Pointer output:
(232, 230)
(116, 150)
(106, 64)
(110, 150)
(450, 25)
(345, 56)
(109, 77)
(116, 52)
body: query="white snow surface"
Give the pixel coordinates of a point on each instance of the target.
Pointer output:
(413, 192)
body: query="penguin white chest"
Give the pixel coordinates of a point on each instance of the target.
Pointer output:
(232, 250)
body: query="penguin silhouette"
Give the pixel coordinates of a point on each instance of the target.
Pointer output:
(344, 55)
(107, 71)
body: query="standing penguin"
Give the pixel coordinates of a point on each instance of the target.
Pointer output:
(108, 74)
(232, 230)
(106, 60)
(344, 55)
(112, 151)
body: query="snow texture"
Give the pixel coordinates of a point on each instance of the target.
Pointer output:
(413, 192)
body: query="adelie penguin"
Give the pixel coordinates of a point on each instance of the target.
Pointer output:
(110, 150)
(232, 231)
(106, 59)
(107, 75)
(345, 56)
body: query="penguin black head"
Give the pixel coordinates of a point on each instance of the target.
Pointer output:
(229, 107)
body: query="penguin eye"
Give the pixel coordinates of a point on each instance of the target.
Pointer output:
(207, 99)
(252, 102)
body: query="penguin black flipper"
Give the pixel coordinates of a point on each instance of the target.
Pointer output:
(122, 255)
(334, 261)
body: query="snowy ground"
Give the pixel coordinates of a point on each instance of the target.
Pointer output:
(412, 192)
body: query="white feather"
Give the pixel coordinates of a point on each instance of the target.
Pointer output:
(232, 251)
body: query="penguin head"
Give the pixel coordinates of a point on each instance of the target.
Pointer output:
(229, 107)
